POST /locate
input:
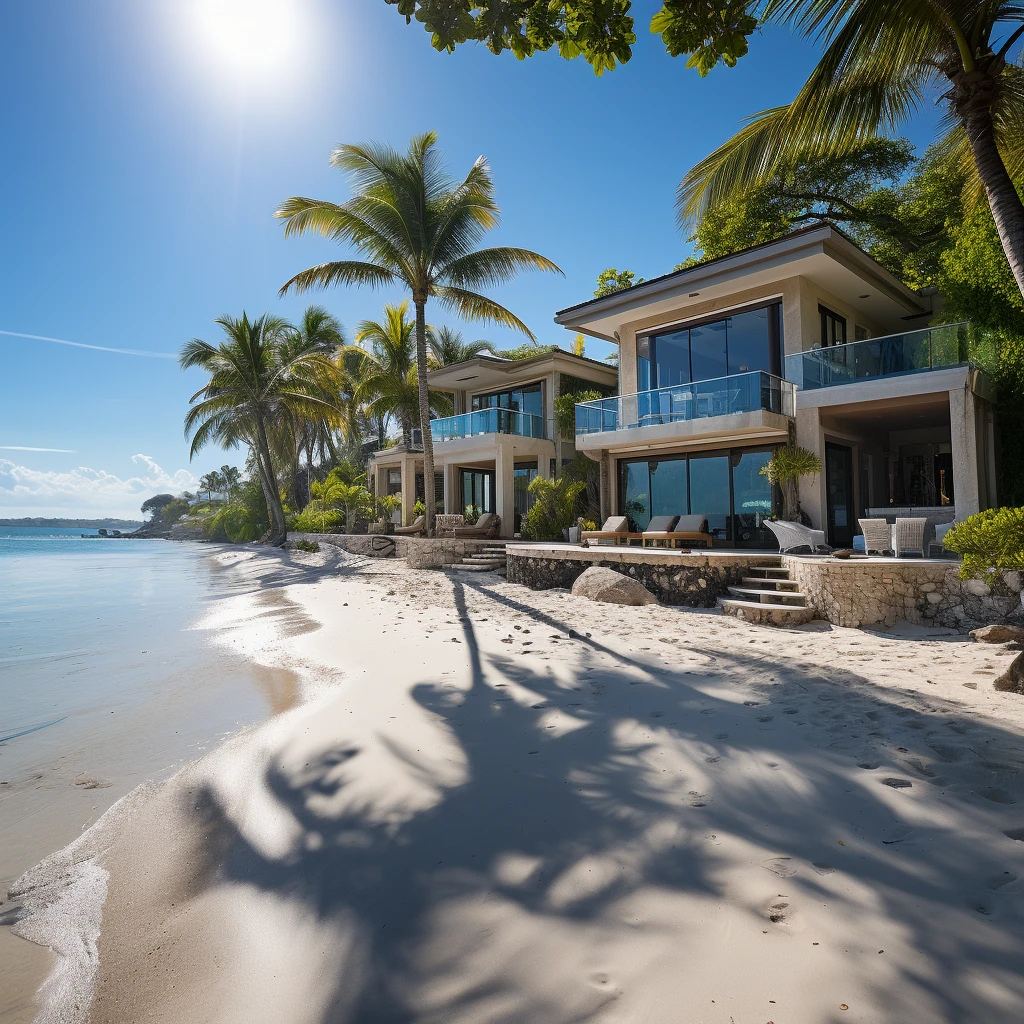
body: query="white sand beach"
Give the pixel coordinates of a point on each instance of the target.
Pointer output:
(501, 805)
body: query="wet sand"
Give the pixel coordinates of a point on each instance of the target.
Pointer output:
(502, 805)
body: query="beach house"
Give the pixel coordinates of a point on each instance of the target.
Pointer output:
(804, 339)
(503, 433)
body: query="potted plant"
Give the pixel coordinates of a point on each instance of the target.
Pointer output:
(389, 504)
(784, 469)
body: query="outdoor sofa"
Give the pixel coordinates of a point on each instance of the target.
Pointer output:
(486, 528)
(417, 527)
(672, 530)
(615, 528)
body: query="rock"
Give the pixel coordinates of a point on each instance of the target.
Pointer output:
(979, 588)
(1012, 680)
(600, 584)
(998, 634)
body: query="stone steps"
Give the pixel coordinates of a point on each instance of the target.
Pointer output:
(768, 596)
(490, 558)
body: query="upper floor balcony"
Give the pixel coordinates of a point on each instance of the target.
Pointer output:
(738, 395)
(487, 421)
(933, 348)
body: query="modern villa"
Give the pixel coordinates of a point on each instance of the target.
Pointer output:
(805, 338)
(502, 434)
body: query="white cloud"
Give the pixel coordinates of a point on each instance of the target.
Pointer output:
(82, 491)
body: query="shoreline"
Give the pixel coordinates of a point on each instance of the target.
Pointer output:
(503, 803)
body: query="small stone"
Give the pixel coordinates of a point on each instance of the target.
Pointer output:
(998, 634)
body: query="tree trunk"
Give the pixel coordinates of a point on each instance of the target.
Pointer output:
(424, 397)
(975, 94)
(278, 527)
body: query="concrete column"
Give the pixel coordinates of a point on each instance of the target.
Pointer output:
(451, 488)
(990, 452)
(504, 487)
(963, 434)
(605, 487)
(408, 489)
(809, 435)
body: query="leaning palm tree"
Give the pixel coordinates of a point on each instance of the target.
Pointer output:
(231, 478)
(416, 227)
(446, 347)
(388, 384)
(883, 58)
(255, 382)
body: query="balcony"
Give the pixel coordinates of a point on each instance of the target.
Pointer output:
(486, 421)
(934, 348)
(684, 403)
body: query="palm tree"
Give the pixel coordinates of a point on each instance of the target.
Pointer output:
(209, 482)
(446, 347)
(231, 478)
(255, 381)
(882, 60)
(416, 227)
(388, 384)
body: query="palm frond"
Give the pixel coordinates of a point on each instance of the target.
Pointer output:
(472, 306)
(344, 272)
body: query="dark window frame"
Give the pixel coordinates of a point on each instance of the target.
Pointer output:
(775, 339)
(830, 316)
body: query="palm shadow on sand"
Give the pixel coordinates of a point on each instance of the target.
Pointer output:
(459, 908)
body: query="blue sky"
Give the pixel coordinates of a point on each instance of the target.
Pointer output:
(146, 149)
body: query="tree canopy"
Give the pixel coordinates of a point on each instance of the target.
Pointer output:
(599, 31)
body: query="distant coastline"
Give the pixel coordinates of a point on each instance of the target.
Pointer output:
(76, 524)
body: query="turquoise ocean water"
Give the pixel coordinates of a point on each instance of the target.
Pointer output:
(104, 680)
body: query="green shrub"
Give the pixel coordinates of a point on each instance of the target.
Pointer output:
(419, 509)
(989, 542)
(554, 507)
(243, 520)
(784, 469)
(314, 518)
(565, 409)
(307, 545)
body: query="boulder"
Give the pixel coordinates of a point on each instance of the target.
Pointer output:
(998, 634)
(1012, 680)
(600, 584)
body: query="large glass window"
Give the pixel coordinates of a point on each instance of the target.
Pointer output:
(523, 475)
(636, 494)
(752, 499)
(727, 487)
(528, 399)
(477, 490)
(741, 343)
(709, 492)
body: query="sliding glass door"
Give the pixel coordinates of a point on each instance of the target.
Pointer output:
(725, 486)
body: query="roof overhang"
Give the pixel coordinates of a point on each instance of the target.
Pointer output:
(822, 254)
(486, 372)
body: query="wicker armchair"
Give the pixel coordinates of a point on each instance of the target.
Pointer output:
(908, 537)
(876, 535)
(795, 535)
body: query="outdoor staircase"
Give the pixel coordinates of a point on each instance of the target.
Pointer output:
(768, 596)
(489, 558)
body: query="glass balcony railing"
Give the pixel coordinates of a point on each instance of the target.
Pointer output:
(487, 421)
(723, 396)
(934, 348)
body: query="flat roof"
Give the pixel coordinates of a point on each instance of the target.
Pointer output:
(484, 371)
(820, 252)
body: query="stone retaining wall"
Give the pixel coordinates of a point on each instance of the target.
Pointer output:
(696, 579)
(419, 552)
(865, 592)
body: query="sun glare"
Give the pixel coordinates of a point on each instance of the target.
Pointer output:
(250, 37)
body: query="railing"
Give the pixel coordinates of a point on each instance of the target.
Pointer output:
(487, 421)
(933, 348)
(743, 392)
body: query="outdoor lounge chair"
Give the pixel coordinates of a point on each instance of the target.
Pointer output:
(686, 529)
(795, 535)
(909, 536)
(616, 528)
(876, 535)
(417, 527)
(939, 540)
(486, 527)
(658, 529)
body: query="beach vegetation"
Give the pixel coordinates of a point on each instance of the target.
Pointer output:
(241, 520)
(310, 546)
(989, 543)
(152, 506)
(554, 507)
(565, 409)
(447, 347)
(415, 227)
(256, 379)
(787, 466)
(611, 281)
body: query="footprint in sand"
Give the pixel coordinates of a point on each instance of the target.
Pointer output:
(695, 799)
(781, 866)
(867, 765)
(765, 718)
(996, 882)
(721, 735)
(822, 868)
(897, 783)
(947, 753)
(776, 911)
(997, 796)
(1016, 834)
(712, 760)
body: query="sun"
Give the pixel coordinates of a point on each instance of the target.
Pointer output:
(250, 37)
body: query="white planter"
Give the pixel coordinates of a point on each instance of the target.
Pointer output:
(573, 534)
